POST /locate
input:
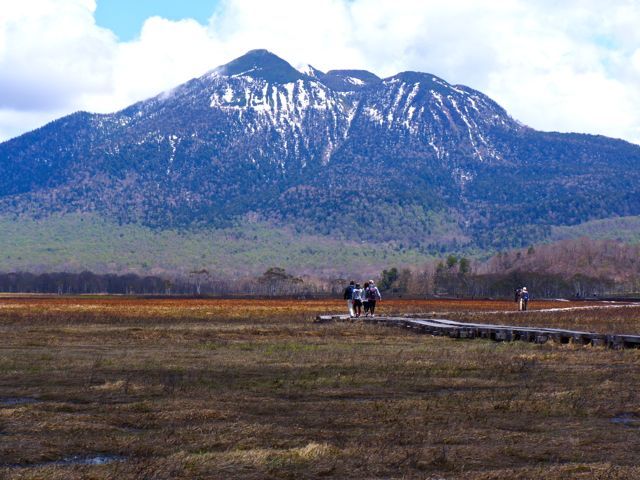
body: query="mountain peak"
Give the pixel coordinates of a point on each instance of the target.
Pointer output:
(311, 71)
(260, 55)
(261, 63)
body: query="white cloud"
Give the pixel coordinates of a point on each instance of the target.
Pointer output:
(567, 66)
(51, 55)
(50, 52)
(319, 31)
(166, 54)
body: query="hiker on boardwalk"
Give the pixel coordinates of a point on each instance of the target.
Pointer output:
(372, 295)
(524, 299)
(516, 294)
(348, 296)
(365, 300)
(358, 295)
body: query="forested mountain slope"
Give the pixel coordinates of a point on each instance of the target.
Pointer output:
(409, 160)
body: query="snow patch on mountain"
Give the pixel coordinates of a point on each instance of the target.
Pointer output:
(374, 114)
(291, 117)
(173, 142)
(462, 176)
(354, 81)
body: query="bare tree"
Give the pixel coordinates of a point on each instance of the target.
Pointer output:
(199, 276)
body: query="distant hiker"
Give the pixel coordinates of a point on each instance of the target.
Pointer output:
(358, 295)
(524, 299)
(372, 294)
(516, 293)
(348, 296)
(365, 300)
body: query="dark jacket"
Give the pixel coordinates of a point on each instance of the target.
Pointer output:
(348, 292)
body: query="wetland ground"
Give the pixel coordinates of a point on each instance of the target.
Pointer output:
(128, 388)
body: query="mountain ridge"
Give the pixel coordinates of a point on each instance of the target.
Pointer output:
(342, 154)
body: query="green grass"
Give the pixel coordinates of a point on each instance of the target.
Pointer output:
(624, 229)
(77, 242)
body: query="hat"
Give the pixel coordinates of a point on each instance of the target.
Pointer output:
(371, 282)
(524, 289)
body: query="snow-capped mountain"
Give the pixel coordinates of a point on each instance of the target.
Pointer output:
(408, 158)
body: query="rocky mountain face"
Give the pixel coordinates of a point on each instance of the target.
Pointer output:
(408, 159)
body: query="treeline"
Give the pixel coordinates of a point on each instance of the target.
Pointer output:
(434, 282)
(581, 268)
(85, 283)
(572, 268)
(610, 259)
(274, 282)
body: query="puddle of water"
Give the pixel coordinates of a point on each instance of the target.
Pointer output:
(92, 460)
(73, 460)
(627, 419)
(13, 401)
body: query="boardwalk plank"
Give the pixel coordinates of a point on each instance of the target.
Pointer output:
(505, 333)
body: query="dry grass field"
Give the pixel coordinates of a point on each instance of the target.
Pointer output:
(124, 388)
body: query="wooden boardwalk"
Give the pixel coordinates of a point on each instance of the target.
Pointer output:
(505, 333)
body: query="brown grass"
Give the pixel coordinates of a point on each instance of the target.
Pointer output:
(253, 389)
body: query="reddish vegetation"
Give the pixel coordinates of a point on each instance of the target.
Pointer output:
(297, 306)
(253, 389)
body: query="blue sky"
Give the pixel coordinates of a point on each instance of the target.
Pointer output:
(126, 17)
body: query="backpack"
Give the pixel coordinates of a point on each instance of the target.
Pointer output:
(371, 293)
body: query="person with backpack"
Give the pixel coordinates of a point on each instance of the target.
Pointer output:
(372, 295)
(348, 296)
(365, 301)
(358, 295)
(524, 299)
(516, 294)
